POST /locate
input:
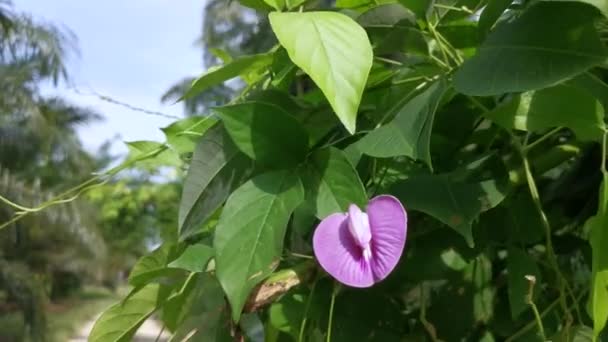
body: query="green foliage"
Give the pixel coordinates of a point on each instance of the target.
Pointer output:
(121, 321)
(265, 133)
(534, 52)
(334, 51)
(488, 131)
(250, 233)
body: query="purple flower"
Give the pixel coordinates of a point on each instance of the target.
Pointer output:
(360, 249)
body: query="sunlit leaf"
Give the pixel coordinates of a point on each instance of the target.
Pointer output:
(334, 51)
(237, 67)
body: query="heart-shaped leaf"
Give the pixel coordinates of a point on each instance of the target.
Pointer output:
(266, 133)
(249, 236)
(534, 51)
(216, 169)
(334, 51)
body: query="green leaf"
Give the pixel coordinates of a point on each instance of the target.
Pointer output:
(332, 183)
(182, 135)
(456, 204)
(202, 315)
(334, 51)
(520, 264)
(252, 327)
(265, 133)
(120, 322)
(249, 236)
(562, 105)
(409, 133)
(596, 225)
(217, 168)
(153, 265)
(534, 51)
(420, 8)
(241, 66)
(385, 15)
(601, 5)
(151, 154)
(276, 4)
(194, 258)
(491, 13)
(593, 85)
(287, 314)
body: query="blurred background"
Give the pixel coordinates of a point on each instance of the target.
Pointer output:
(77, 78)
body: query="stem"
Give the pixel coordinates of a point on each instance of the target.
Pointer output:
(387, 60)
(547, 227)
(541, 139)
(160, 333)
(308, 301)
(331, 312)
(530, 301)
(73, 193)
(430, 329)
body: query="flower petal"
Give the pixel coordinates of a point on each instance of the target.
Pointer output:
(339, 254)
(388, 223)
(358, 224)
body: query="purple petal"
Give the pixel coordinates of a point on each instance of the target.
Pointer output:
(339, 254)
(388, 223)
(358, 225)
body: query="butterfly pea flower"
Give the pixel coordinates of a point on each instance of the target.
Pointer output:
(360, 248)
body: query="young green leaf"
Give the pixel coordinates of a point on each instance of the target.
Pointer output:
(334, 51)
(409, 133)
(120, 322)
(534, 51)
(216, 169)
(241, 66)
(194, 258)
(332, 183)
(249, 236)
(519, 265)
(562, 105)
(153, 265)
(182, 135)
(151, 154)
(266, 133)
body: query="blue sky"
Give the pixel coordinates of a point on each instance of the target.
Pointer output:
(132, 51)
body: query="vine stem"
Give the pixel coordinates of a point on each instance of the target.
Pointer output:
(331, 311)
(530, 301)
(73, 193)
(547, 227)
(308, 301)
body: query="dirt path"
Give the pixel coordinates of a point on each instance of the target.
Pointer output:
(146, 333)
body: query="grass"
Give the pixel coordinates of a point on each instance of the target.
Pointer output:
(67, 317)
